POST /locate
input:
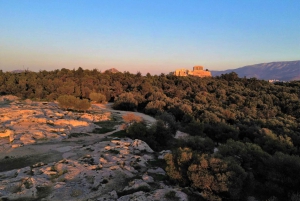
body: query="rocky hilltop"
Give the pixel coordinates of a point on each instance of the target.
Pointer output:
(282, 71)
(27, 122)
(51, 154)
(112, 70)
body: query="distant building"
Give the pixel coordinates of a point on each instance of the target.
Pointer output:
(197, 71)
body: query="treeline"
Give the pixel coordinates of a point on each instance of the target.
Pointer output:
(245, 132)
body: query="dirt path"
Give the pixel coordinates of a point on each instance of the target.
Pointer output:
(108, 107)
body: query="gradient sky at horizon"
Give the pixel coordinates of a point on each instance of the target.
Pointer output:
(155, 36)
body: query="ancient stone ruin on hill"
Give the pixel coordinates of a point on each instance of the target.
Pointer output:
(197, 71)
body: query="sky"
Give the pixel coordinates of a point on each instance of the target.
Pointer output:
(155, 36)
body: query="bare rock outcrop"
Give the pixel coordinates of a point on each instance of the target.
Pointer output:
(103, 174)
(30, 122)
(141, 146)
(7, 133)
(8, 98)
(96, 169)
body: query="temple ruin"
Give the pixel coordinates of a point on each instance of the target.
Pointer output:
(197, 71)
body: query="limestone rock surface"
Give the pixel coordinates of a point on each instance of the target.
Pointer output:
(99, 175)
(92, 167)
(28, 122)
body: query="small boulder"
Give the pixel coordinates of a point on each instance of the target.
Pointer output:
(113, 194)
(136, 185)
(141, 146)
(148, 178)
(163, 153)
(137, 196)
(157, 171)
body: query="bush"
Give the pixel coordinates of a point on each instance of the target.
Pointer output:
(196, 143)
(169, 122)
(194, 128)
(138, 130)
(67, 101)
(214, 177)
(82, 105)
(171, 195)
(97, 97)
(162, 134)
(221, 132)
(131, 118)
(125, 101)
(155, 107)
(71, 102)
(158, 136)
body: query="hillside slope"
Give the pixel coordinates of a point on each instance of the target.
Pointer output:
(283, 71)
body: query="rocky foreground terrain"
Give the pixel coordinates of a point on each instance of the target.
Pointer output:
(30, 122)
(39, 160)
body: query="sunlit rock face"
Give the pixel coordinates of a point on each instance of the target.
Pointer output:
(28, 122)
(110, 171)
(39, 162)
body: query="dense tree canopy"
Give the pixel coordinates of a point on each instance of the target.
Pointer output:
(253, 125)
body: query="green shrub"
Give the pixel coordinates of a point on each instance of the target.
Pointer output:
(214, 177)
(196, 143)
(171, 195)
(82, 105)
(71, 102)
(126, 101)
(97, 97)
(67, 101)
(195, 128)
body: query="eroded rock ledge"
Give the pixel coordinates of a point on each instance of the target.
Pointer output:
(113, 170)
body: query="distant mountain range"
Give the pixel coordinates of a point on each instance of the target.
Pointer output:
(282, 71)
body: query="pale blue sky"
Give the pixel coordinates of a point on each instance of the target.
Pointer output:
(155, 36)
